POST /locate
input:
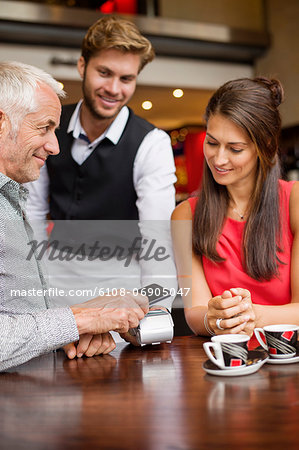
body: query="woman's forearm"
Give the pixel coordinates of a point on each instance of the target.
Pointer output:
(271, 315)
(195, 319)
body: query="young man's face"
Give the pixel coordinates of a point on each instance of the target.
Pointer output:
(22, 156)
(109, 81)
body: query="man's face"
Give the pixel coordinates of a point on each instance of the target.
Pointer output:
(22, 156)
(109, 81)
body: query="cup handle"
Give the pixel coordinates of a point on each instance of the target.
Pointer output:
(218, 358)
(258, 332)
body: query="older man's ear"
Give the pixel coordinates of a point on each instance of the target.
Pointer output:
(2, 121)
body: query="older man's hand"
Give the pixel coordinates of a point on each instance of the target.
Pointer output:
(90, 345)
(110, 313)
(131, 338)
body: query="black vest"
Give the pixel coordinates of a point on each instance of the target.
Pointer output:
(102, 187)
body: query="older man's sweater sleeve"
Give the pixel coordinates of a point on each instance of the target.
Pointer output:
(25, 336)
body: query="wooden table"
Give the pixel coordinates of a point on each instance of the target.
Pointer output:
(150, 398)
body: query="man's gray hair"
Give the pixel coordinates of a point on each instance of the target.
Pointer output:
(18, 85)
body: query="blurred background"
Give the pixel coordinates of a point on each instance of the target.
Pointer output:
(199, 45)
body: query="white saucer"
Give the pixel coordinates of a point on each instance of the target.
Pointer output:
(292, 360)
(256, 358)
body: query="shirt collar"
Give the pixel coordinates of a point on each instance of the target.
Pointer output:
(4, 179)
(15, 187)
(113, 132)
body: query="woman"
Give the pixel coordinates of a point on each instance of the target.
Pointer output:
(245, 238)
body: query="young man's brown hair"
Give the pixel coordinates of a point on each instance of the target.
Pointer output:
(120, 34)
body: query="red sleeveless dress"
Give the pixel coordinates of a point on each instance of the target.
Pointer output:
(230, 273)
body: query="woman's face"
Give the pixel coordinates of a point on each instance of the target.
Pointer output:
(229, 153)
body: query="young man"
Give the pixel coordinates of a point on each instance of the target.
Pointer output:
(29, 115)
(113, 165)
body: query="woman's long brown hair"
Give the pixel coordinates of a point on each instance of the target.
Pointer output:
(252, 105)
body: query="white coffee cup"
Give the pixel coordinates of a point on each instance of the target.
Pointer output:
(281, 340)
(230, 350)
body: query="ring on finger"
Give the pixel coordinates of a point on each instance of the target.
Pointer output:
(218, 321)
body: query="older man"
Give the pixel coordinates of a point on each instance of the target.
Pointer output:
(29, 115)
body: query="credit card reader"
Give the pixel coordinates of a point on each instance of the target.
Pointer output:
(156, 327)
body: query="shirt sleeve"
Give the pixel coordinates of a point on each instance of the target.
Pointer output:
(25, 336)
(154, 178)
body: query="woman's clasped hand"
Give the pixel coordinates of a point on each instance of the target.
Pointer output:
(233, 311)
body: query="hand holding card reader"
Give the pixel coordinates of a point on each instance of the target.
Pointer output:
(157, 326)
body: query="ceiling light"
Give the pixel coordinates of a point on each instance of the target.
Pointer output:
(178, 93)
(147, 105)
